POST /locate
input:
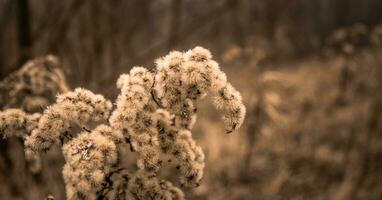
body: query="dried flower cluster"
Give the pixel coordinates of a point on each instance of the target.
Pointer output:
(183, 78)
(34, 85)
(189, 157)
(144, 186)
(154, 114)
(134, 114)
(89, 158)
(29, 89)
(17, 123)
(79, 107)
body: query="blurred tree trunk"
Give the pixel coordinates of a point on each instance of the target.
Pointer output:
(2, 63)
(97, 43)
(24, 36)
(24, 45)
(176, 7)
(57, 35)
(237, 30)
(325, 15)
(5, 17)
(272, 12)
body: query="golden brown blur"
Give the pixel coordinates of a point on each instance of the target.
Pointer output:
(309, 73)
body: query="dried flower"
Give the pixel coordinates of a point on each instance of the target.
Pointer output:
(89, 158)
(183, 78)
(179, 143)
(145, 186)
(16, 123)
(229, 101)
(133, 113)
(154, 113)
(35, 84)
(79, 106)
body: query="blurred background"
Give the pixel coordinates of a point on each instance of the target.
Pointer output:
(310, 73)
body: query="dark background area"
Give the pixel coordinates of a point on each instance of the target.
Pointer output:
(99, 39)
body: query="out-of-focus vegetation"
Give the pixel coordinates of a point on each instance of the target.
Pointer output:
(309, 71)
(112, 36)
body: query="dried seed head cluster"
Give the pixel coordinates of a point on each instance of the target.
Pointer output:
(34, 85)
(89, 158)
(134, 114)
(154, 113)
(229, 101)
(79, 106)
(183, 78)
(31, 88)
(189, 157)
(170, 91)
(158, 109)
(17, 123)
(144, 186)
(135, 88)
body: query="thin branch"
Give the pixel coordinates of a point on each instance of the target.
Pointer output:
(159, 104)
